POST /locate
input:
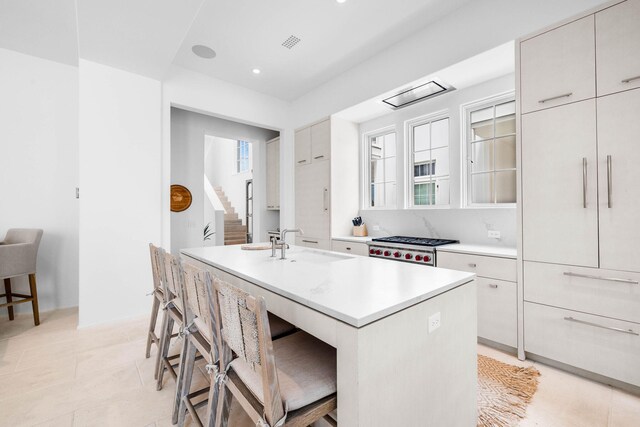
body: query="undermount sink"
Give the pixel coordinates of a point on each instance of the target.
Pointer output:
(314, 256)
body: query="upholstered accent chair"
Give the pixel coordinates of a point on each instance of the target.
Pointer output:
(18, 255)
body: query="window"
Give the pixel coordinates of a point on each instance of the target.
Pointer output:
(428, 148)
(242, 157)
(381, 166)
(490, 132)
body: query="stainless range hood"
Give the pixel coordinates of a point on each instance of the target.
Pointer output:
(418, 93)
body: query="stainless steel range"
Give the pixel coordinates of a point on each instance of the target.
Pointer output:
(419, 250)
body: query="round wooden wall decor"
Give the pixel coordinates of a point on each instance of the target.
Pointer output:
(180, 198)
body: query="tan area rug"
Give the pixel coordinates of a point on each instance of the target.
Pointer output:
(503, 392)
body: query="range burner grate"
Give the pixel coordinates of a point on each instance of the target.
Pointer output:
(418, 241)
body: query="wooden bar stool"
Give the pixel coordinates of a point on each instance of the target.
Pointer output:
(172, 316)
(18, 256)
(287, 382)
(201, 336)
(157, 273)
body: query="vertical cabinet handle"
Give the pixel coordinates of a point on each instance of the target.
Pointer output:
(609, 181)
(325, 193)
(584, 182)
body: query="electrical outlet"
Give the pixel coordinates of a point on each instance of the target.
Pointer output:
(434, 322)
(376, 227)
(493, 234)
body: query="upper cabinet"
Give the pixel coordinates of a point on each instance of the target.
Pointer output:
(558, 67)
(321, 141)
(303, 147)
(273, 174)
(618, 47)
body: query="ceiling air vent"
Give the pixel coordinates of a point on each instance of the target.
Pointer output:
(291, 42)
(418, 93)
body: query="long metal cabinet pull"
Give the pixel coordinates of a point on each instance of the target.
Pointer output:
(609, 182)
(566, 95)
(584, 182)
(611, 328)
(608, 279)
(325, 193)
(630, 79)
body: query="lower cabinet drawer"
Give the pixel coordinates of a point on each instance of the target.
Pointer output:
(591, 290)
(312, 242)
(483, 266)
(350, 247)
(598, 344)
(497, 317)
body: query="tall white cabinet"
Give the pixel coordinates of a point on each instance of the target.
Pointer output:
(326, 181)
(580, 154)
(273, 174)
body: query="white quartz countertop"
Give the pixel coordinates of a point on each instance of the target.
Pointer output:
(355, 239)
(356, 290)
(495, 251)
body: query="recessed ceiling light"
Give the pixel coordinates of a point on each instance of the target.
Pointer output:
(203, 51)
(256, 71)
(341, 1)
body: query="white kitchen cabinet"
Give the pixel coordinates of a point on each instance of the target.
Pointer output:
(321, 141)
(598, 344)
(558, 66)
(303, 147)
(619, 180)
(273, 174)
(326, 185)
(559, 185)
(617, 46)
(353, 248)
(497, 293)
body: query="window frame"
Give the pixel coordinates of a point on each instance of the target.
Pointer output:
(408, 158)
(465, 159)
(366, 168)
(240, 158)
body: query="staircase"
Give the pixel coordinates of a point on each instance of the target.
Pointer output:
(234, 232)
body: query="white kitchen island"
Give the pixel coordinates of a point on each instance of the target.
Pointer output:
(391, 370)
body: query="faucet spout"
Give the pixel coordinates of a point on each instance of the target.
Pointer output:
(283, 236)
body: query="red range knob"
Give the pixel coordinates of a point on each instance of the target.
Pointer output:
(427, 258)
(397, 254)
(408, 256)
(372, 251)
(418, 257)
(387, 253)
(378, 252)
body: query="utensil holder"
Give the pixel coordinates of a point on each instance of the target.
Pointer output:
(360, 230)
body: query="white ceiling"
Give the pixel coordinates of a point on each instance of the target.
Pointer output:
(46, 29)
(334, 37)
(488, 65)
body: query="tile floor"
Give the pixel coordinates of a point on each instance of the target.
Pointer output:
(56, 375)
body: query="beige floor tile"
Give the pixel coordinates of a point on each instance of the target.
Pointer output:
(566, 400)
(31, 407)
(108, 357)
(30, 380)
(625, 409)
(52, 355)
(65, 420)
(9, 360)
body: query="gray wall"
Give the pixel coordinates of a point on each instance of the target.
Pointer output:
(187, 168)
(468, 225)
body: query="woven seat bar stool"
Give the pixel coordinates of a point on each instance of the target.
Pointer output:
(287, 382)
(18, 256)
(157, 273)
(172, 316)
(201, 336)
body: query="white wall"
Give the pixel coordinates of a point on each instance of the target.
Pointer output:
(39, 169)
(199, 93)
(188, 130)
(468, 225)
(120, 184)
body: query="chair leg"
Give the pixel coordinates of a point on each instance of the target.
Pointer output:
(183, 386)
(224, 402)
(34, 302)
(161, 341)
(212, 402)
(7, 291)
(152, 325)
(164, 351)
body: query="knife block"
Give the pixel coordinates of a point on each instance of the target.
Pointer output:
(360, 230)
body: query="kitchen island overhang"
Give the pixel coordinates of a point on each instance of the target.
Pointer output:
(391, 369)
